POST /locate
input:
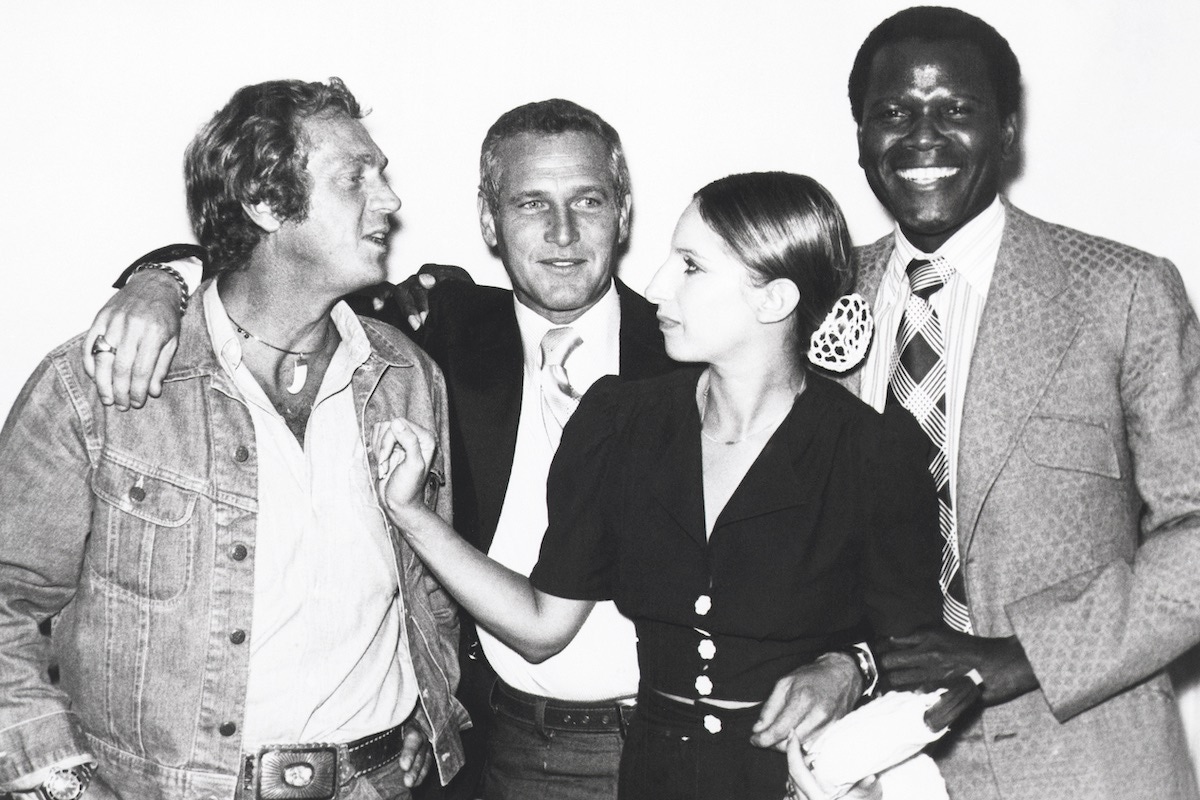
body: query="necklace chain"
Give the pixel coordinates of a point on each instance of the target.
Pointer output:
(248, 335)
(770, 425)
(299, 366)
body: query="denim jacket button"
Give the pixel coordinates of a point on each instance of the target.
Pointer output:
(237, 637)
(241, 454)
(137, 494)
(238, 552)
(227, 729)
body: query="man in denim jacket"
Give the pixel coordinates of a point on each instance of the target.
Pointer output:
(232, 615)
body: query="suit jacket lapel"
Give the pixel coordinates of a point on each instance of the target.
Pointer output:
(871, 260)
(642, 350)
(1023, 335)
(489, 367)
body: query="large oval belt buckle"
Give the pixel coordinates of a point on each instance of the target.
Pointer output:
(296, 773)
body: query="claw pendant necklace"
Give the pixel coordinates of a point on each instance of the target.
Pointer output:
(299, 366)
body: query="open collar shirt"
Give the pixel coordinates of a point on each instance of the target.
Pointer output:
(972, 252)
(327, 607)
(600, 663)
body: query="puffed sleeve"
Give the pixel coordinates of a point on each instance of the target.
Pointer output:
(579, 552)
(904, 549)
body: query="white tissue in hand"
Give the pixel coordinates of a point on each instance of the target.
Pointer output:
(873, 737)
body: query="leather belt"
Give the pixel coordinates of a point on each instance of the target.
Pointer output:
(315, 771)
(547, 713)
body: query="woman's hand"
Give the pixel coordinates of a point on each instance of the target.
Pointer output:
(803, 785)
(403, 451)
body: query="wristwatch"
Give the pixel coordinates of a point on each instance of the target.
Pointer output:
(864, 659)
(63, 784)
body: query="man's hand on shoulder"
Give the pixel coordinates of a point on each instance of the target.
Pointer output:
(930, 658)
(412, 294)
(141, 325)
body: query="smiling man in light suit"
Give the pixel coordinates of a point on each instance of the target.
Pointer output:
(1060, 387)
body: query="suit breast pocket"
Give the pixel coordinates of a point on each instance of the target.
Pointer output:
(1074, 444)
(145, 530)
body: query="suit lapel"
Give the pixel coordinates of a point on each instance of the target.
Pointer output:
(489, 373)
(642, 353)
(871, 261)
(1023, 335)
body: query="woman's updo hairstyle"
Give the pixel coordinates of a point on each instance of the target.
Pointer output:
(782, 225)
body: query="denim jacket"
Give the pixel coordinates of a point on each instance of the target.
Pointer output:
(137, 530)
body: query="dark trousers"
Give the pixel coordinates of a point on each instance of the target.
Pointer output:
(673, 753)
(545, 749)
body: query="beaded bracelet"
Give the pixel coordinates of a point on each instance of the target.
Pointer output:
(184, 297)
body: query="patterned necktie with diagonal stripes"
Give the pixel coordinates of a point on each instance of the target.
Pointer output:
(918, 382)
(559, 398)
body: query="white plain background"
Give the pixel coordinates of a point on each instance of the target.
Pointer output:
(100, 100)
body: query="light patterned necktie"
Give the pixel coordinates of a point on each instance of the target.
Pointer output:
(918, 381)
(559, 399)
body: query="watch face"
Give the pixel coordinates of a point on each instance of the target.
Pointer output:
(64, 784)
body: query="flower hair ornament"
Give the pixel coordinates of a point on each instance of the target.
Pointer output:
(842, 340)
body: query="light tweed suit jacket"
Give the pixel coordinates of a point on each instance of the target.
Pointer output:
(1078, 504)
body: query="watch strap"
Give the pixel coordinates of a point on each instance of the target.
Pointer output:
(67, 783)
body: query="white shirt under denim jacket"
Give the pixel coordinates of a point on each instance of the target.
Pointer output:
(138, 529)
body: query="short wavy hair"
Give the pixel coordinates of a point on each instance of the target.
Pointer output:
(782, 225)
(254, 150)
(938, 24)
(548, 117)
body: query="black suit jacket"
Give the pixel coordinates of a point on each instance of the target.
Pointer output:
(472, 334)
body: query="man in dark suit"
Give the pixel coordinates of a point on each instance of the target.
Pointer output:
(554, 205)
(1065, 408)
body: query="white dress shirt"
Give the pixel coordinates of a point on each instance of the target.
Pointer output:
(329, 658)
(972, 252)
(600, 663)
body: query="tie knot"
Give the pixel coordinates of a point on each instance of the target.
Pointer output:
(558, 344)
(926, 277)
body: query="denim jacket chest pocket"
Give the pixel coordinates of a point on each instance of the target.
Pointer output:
(144, 531)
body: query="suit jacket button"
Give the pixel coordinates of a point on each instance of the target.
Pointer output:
(238, 552)
(241, 454)
(227, 729)
(237, 637)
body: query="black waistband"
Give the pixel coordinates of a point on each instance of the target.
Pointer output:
(665, 714)
(599, 716)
